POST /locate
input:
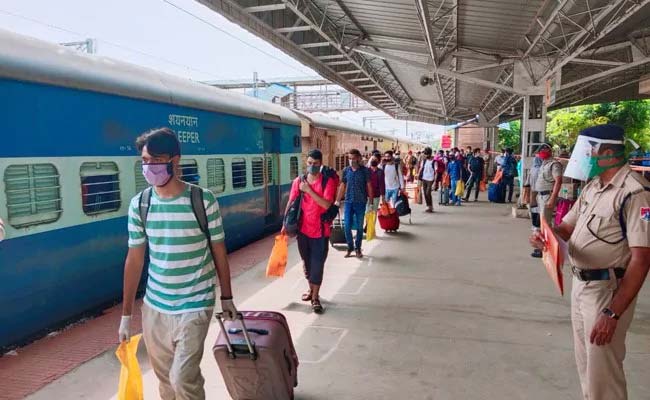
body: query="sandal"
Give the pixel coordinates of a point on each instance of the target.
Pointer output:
(316, 306)
(306, 296)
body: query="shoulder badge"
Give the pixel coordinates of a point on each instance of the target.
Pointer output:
(645, 214)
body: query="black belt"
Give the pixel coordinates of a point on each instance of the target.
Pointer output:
(545, 192)
(596, 274)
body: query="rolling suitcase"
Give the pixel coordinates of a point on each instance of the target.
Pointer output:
(496, 193)
(390, 222)
(337, 236)
(444, 196)
(256, 356)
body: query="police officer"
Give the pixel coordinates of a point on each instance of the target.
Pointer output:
(608, 230)
(548, 183)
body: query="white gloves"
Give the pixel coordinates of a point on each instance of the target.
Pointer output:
(229, 310)
(124, 333)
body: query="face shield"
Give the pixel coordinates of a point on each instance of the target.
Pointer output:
(583, 164)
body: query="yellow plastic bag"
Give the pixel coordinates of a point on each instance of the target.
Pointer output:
(460, 188)
(130, 387)
(371, 217)
(278, 260)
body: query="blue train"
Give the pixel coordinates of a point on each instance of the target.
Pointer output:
(68, 169)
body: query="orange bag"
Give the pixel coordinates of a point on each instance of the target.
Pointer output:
(498, 176)
(482, 186)
(384, 209)
(446, 180)
(278, 260)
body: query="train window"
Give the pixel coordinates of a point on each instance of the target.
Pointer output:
(270, 178)
(189, 171)
(100, 187)
(216, 175)
(140, 182)
(258, 171)
(238, 173)
(293, 167)
(33, 194)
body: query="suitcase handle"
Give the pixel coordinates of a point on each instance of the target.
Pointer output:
(252, 353)
(235, 331)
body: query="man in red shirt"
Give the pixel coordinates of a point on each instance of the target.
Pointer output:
(314, 234)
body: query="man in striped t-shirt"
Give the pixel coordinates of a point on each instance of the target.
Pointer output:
(180, 294)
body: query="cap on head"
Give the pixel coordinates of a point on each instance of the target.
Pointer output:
(604, 132)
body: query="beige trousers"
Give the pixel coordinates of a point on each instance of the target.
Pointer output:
(600, 367)
(545, 213)
(175, 346)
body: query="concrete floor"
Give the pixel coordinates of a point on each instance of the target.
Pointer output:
(450, 307)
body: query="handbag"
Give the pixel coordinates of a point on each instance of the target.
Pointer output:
(460, 188)
(292, 218)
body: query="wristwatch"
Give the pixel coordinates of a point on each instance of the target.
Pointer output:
(610, 313)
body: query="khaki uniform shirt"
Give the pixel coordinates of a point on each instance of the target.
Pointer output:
(596, 213)
(549, 170)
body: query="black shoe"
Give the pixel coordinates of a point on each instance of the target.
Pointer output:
(348, 254)
(536, 253)
(317, 307)
(359, 254)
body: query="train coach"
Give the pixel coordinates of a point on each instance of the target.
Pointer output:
(69, 167)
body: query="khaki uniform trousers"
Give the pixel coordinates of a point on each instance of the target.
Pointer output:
(175, 346)
(545, 213)
(600, 367)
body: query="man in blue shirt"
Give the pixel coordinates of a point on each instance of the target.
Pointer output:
(509, 167)
(357, 187)
(455, 171)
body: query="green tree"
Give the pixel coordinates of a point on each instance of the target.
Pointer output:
(510, 136)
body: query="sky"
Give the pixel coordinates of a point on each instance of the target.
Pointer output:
(180, 37)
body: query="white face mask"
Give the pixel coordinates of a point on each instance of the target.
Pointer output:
(582, 164)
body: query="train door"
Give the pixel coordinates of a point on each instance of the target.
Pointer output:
(271, 176)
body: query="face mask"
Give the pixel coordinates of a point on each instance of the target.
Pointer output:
(353, 163)
(374, 163)
(313, 169)
(583, 165)
(545, 154)
(158, 174)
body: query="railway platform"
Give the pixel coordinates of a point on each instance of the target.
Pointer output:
(450, 307)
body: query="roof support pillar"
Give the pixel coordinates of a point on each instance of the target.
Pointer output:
(533, 133)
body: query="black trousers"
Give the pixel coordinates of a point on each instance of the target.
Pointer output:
(475, 179)
(313, 253)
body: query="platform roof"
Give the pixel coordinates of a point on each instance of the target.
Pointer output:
(444, 61)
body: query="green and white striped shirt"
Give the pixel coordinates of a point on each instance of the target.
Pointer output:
(181, 271)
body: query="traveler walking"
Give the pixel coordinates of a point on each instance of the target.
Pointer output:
(318, 193)
(378, 182)
(357, 188)
(394, 180)
(455, 171)
(427, 175)
(439, 168)
(182, 225)
(509, 167)
(476, 167)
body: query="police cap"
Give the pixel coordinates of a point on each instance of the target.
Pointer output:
(604, 132)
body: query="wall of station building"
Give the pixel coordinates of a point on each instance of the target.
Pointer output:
(470, 135)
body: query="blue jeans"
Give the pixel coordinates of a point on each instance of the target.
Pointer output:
(391, 194)
(351, 211)
(452, 194)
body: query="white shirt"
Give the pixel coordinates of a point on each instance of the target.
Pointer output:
(392, 177)
(428, 173)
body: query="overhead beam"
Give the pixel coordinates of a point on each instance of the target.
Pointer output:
(267, 8)
(406, 48)
(486, 66)
(444, 72)
(314, 45)
(544, 27)
(292, 29)
(425, 22)
(597, 62)
(606, 73)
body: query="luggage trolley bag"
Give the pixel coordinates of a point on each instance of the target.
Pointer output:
(444, 196)
(496, 193)
(256, 356)
(337, 235)
(402, 206)
(390, 222)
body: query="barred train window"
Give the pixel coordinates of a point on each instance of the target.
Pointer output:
(258, 171)
(100, 187)
(238, 173)
(270, 178)
(140, 182)
(216, 175)
(189, 171)
(33, 194)
(293, 167)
